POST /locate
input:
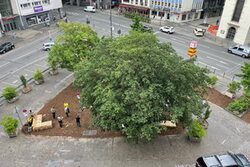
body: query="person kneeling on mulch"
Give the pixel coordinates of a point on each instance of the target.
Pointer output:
(60, 121)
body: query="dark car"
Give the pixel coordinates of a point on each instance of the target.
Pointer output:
(147, 28)
(223, 160)
(5, 47)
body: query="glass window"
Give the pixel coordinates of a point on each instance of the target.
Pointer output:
(240, 49)
(184, 17)
(169, 4)
(238, 10)
(179, 5)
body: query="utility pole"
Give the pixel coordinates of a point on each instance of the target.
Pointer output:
(110, 18)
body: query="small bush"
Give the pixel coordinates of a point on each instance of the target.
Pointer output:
(23, 80)
(9, 124)
(240, 105)
(196, 130)
(9, 92)
(233, 87)
(38, 75)
(212, 80)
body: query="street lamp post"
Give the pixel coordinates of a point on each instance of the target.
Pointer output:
(110, 18)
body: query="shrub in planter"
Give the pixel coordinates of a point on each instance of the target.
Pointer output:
(212, 80)
(9, 93)
(26, 87)
(240, 105)
(196, 131)
(38, 77)
(233, 87)
(10, 125)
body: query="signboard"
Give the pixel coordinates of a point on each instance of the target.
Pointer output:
(38, 9)
(193, 44)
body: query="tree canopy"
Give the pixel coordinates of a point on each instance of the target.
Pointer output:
(245, 78)
(134, 82)
(136, 25)
(73, 45)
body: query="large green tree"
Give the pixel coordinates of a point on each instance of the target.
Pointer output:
(245, 78)
(134, 82)
(73, 45)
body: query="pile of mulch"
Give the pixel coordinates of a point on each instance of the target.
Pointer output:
(217, 98)
(246, 117)
(69, 95)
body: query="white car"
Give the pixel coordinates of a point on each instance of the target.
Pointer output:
(167, 29)
(199, 32)
(47, 46)
(89, 9)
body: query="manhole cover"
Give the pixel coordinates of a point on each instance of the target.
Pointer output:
(89, 132)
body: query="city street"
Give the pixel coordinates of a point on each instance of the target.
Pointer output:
(25, 60)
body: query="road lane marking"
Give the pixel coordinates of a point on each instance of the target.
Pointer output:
(223, 142)
(208, 65)
(15, 81)
(8, 83)
(33, 62)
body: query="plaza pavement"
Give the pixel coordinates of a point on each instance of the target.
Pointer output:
(225, 133)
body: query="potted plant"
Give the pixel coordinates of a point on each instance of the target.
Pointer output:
(10, 94)
(38, 77)
(233, 87)
(212, 81)
(54, 68)
(196, 131)
(26, 87)
(10, 125)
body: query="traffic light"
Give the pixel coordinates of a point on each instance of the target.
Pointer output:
(192, 52)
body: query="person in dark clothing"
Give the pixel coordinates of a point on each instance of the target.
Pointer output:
(60, 121)
(78, 121)
(53, 111)
(67, 111)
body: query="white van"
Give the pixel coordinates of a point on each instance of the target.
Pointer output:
(89, 9)
(47, 46)
(240, 50)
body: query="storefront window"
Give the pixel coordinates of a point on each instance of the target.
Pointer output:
(31, 20)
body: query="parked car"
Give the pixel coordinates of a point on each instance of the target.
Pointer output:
(167, 29)
(147, 28)
(223, 160)
(240, 50)
(199, 32)
(47, 46)
(5, 47)
(89, 9)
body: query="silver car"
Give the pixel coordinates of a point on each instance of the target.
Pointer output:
(240, 50)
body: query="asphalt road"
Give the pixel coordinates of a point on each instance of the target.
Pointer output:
(210, 55)
(25, 60)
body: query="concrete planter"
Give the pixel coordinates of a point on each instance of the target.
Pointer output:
(39, 82)
(229, 94)
(12, 100)
(12, 135)
(193, 139)
(53, 72)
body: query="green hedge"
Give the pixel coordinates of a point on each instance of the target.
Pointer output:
(240, 105)
(142, 18)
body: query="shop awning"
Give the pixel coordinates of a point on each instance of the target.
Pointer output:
(133, 7)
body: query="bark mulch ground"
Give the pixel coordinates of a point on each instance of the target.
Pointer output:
(68, 95)
(246, 117)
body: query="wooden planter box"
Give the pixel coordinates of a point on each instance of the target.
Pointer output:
(27, 89)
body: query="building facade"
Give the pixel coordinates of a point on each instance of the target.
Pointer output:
(212, 8)
(7, 18)
(171, 10)
(235, 24)
(33, 12)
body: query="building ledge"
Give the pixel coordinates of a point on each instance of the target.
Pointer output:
(233, 23)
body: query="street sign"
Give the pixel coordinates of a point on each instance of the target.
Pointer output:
(193, 44)
(192, 52)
